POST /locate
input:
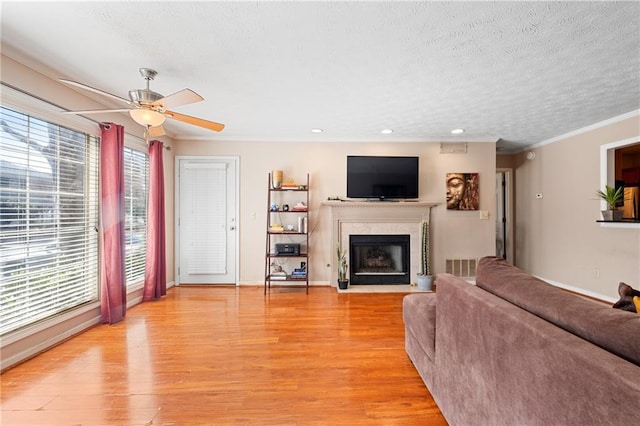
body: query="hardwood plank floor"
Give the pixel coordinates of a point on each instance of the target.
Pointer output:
(227, 355)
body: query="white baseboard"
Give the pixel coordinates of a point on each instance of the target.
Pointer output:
(579, 290)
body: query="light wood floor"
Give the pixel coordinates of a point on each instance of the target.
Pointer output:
(224, 355)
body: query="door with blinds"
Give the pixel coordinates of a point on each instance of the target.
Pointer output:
(206, 221)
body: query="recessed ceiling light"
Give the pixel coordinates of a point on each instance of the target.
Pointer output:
(387, 131)
(316, 130)
(457, 131)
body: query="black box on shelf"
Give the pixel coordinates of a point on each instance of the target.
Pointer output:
(290, 249)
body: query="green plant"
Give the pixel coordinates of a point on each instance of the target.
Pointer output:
(611, 196)
(342, 262)
(424, 258)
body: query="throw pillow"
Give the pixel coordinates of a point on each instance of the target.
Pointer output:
(626, 298)
(636, 301)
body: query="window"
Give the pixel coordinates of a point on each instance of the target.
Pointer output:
(617, 162)
(136, 166)
(48, 219)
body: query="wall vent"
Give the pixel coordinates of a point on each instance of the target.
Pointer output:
(461, 267)
(453, 148)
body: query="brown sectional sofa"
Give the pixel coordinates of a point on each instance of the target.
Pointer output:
(514, 350)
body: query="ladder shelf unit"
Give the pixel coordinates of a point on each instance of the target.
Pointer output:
(287, 235)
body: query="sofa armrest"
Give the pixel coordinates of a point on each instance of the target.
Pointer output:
(419, 315)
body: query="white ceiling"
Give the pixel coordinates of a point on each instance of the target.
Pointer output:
(517, 72)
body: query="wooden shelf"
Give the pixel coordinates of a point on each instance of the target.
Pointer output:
(276, 196)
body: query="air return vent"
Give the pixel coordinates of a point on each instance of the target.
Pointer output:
(461, 267)
(453, 148)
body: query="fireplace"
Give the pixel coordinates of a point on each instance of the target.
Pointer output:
(379, 259)
(377, 218)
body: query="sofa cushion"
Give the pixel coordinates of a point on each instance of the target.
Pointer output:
(614, 330)
(419, 314)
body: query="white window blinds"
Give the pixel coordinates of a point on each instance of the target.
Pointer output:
(136, 166)
(208, 242)
(48, 219)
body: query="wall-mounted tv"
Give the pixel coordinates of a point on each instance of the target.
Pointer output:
(382, 178)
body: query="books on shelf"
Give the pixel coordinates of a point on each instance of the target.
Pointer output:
(281, 275)
(275, 277)
(296, 274)
(299, 274)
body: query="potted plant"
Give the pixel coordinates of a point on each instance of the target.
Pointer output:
(425, 279)
(611, 196)
(343, 280)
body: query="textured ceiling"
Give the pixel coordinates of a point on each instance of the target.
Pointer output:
(517, 72)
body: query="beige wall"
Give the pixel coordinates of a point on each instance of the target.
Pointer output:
(455, 234)
(557, 237)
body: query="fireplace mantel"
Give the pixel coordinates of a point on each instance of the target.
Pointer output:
(379, 204)
(378, 217)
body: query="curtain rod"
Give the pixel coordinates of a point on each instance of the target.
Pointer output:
(168, 148)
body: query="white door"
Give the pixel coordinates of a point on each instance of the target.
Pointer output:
(206, 226)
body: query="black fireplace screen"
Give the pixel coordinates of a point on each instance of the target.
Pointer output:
(379, 259)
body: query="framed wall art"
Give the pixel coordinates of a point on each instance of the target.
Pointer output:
(462, 191)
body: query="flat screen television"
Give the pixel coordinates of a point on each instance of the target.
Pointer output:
(382, 178)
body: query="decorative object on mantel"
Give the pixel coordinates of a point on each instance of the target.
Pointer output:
(462, 191)
(424, 278)
(343, 281)
(612, 197)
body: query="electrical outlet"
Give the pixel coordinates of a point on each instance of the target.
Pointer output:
(484, 215)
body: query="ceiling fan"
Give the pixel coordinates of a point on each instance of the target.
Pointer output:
(149, 108)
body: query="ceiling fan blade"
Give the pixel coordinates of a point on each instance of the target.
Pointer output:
(94, 90)
(216, 127)
(96, 111)
(154, 132)
(183, 97)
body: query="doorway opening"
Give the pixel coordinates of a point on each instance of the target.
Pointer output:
(504, 214)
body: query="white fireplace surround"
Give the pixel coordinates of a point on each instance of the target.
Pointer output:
(379, 218)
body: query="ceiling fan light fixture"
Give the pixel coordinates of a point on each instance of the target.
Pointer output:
(147, 117)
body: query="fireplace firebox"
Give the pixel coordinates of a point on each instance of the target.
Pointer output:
(379, 259)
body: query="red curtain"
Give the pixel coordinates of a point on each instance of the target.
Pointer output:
(113, 289)
(155, 281)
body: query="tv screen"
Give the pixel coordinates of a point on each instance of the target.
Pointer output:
(382, 177)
